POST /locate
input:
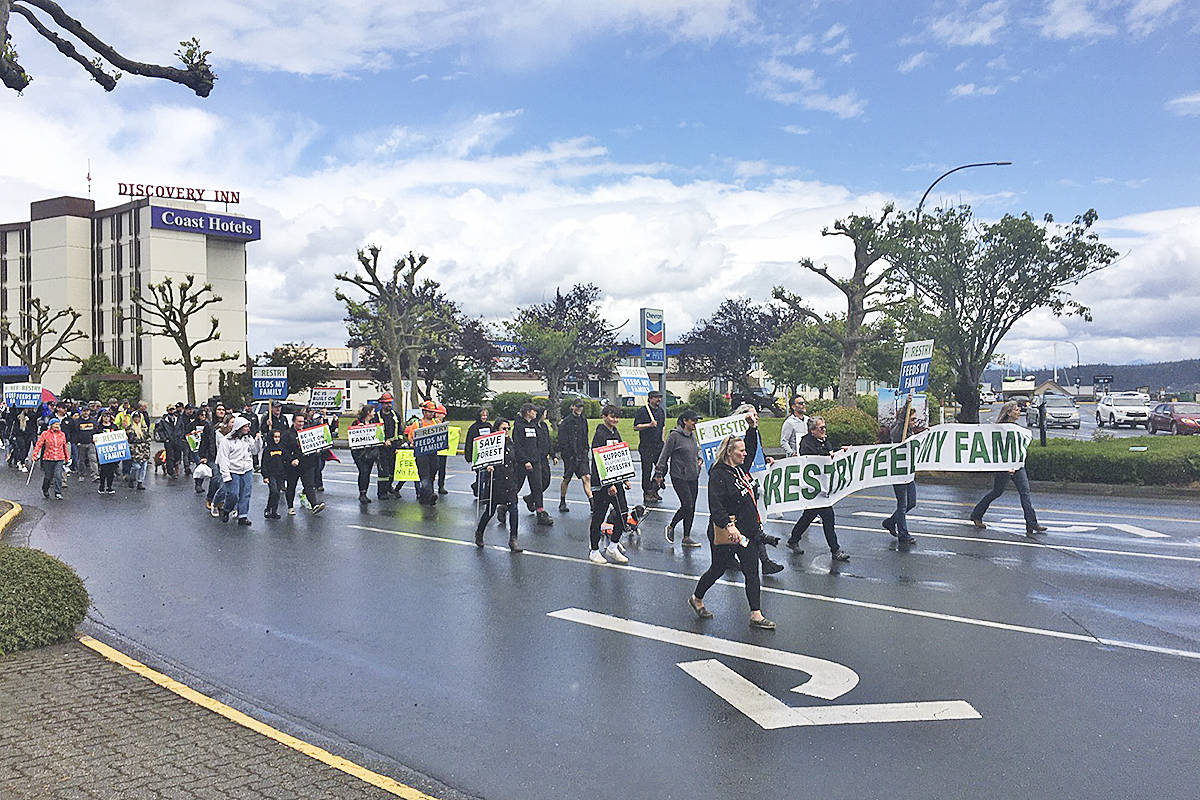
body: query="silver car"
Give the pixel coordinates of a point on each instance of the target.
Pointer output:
(1059, 409)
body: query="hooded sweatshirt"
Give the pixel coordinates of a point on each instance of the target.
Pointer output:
(236, 454)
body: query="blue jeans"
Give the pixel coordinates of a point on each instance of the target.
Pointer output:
(137, 470)
(1020, 479)
(906, 500)
(238, 486)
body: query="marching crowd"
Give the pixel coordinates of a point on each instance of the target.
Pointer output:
(226, 452)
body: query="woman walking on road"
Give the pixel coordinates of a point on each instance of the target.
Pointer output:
(733, 509)
(51, 448)
(235, 460)
(138, 433)
(498, 489)
(364, 457)
(816, 443)
(680, 457)
(1008, 416)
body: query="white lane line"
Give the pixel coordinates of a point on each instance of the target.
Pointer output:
(770, 713)
(829, 680)
(1136, 530)
(961, 504)
(974, 539)
(1059, 526)
(910, 612)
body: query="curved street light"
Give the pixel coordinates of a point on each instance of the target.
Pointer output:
(921, 204)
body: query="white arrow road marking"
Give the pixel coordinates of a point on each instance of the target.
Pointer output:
(771, 713)
(829, 680)
(1137, 530)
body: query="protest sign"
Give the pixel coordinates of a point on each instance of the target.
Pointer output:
(315, 438)
(614, 463)
(800, 482)
(635, 381)
(193, 441)
(269, 383)
(431, 438)
(406, 466)
(451, 448)
(489, 450)
(369, 435)
(325, 397)
(914, 366)
(710, 433)
(111, 447)
(23, 395)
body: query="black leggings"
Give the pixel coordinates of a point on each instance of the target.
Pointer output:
(601, 501)
(274, 489)
(107, 473)
(366, 465)
(305, 476)
(826, 515)
(441, 471)
(686, 491)
(489, 509)
(725, 556)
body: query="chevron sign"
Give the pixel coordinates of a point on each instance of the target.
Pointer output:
(653, 336)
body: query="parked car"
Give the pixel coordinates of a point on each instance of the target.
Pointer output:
(987, 396)
(1059, 410)
(1177, 418)
(760, 398)
(1122, 408)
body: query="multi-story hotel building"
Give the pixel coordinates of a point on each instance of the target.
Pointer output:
(70, 255)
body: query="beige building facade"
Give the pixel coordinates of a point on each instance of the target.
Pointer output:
(69, 254)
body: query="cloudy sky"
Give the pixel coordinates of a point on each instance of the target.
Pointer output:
(674, 152)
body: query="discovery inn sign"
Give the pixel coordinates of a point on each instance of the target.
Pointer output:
(224, 226)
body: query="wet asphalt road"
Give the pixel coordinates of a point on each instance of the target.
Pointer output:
(386, 628)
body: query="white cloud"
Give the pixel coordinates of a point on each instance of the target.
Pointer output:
(315, 38)
(971, 90)
(1069, 19)
(1146, 16)
(978, 27)
(790, 85)
(795, 130)
(914, 61)
(1187, 105)
(422, 77)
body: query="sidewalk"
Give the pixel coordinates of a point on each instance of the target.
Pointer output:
(75, 725)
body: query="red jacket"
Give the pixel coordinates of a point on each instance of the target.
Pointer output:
(52, 444)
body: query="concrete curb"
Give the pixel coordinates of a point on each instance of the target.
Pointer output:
(10, 516)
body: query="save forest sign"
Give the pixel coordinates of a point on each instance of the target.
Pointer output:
(489, 450)
(794, 484)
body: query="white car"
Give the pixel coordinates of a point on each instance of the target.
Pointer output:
(1123, 408)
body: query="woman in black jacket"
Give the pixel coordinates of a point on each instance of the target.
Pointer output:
(733, 508)
(498, 489)
(364, 457)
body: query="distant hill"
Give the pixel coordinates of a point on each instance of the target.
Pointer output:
(1175, 376)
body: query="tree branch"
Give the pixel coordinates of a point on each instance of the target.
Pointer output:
(109, 82)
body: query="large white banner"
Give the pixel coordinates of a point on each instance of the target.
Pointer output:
(793, 484)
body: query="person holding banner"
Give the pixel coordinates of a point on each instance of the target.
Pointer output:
(573, 446)
(605, 497)
(681, 456)
(51, 448)
(107, 471)
(906, 493)
(1009, 413)
(364, 457)
(816, 443)
(235, 461)
(734, 530)
(498, 489)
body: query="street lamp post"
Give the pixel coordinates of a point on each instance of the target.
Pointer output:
(1078, 382)
(921, 204)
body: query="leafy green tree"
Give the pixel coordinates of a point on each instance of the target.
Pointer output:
(86, 383)
(166, 311)
(463, 385)
(42, 336)
(401, 318)
(306, 364)
(196, 75)
(871, 289)
(802, 355)
(980, 278)
(723, 345)
(564, 336)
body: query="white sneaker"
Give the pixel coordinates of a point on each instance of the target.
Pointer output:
(613, 553)
(596, 558)
(24, 468)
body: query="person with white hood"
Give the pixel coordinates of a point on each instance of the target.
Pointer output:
(235, 459)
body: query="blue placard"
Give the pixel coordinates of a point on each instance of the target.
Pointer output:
(636, 385)
(914, 376)
(269, 383)
(112, 452)
(425, 445)
(708, 452)
(221, 225)
(23, 395)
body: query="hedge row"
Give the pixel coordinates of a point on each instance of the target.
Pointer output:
(42, 600)
(1173, 461)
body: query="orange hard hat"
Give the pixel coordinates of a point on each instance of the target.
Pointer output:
(429, 405)
(441, 409)
(386, 397)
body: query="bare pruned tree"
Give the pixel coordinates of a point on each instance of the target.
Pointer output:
(166, 311)
(196, 74)
(37, 340)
